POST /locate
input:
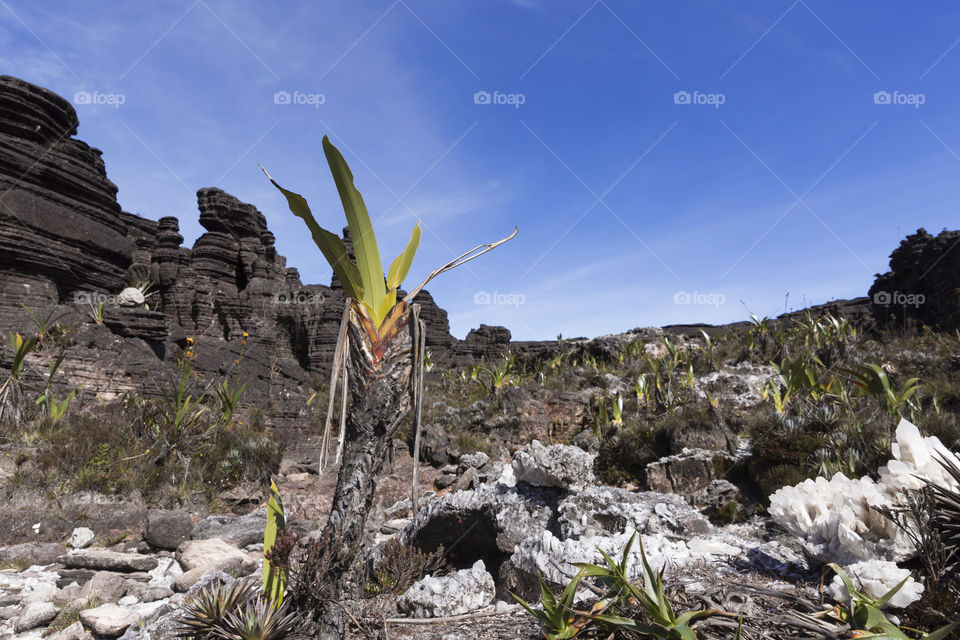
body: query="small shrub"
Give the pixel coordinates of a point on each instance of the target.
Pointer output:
(400, 566)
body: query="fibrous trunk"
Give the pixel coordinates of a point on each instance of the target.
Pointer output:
(379, 376)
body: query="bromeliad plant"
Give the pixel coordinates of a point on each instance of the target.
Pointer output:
(863, 613)
(381, 339)
(612, 613)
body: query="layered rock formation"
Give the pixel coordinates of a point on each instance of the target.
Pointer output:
(61, 229)
(923, 284)
(66, 246)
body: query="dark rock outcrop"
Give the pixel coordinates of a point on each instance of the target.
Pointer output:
(923, 284)
(66, 246)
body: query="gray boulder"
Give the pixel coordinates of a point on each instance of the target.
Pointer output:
(608, 511)
(35, 614)
(488, 521)
(455, 594)
(242, 530)
(167, 529)
(558, 465)
(108, 620)
(103, 560)
(39, 553)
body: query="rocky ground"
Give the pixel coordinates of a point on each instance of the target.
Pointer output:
(513, 521)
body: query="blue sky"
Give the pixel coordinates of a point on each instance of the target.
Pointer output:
(665, 162)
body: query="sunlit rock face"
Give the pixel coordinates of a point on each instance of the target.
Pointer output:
(837, 518)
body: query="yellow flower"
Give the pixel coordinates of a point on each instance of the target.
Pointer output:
(243, 342)
(189, 340)
(246, 335)
(189, 354)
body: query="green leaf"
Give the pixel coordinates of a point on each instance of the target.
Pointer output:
(628, 624)
(273, 583)
(942, 632)
(388, 302)
(882, 600)
(330, 244)
(361, 230)
(401, 266)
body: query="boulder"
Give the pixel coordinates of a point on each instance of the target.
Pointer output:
(146, 592)
(474, 460)
(105, 585)
(74, 632)
(103, 560)
(608, 511)
(108, 620)
(243, 530)
(558, 465)
(130, 297)
(167, 529)
(688, 473)
(228, 565)
(81, 538)
(39, 592)
(35, 614)
(39, 553)
(193, 554)
(455, 594)
(487, 522)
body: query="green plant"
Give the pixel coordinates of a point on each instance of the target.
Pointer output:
(499, 375)
(203, 617)
(400, 566)
(363, 280)
(872, 380)
(274, 577)
(228, 397)
(945, 520)
(614, 613)
(21, 349)
(622, 594)
(11, 395)
(96, 312)
(556, 616)
(180, 412)
(45, 321)
(257, 620)
(56, 409)
(863, 613)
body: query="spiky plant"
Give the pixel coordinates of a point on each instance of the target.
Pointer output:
(203, 616)
(258, 620)
(946, 520)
